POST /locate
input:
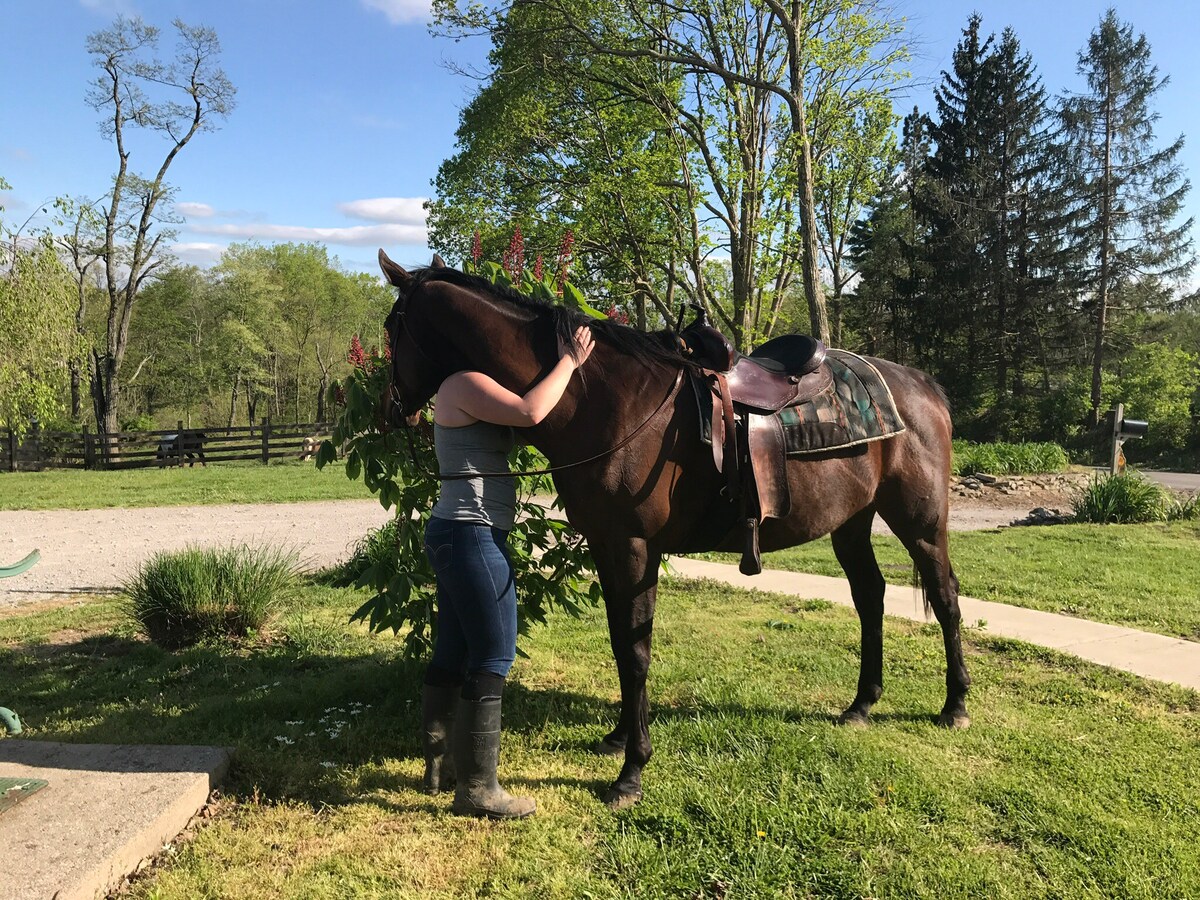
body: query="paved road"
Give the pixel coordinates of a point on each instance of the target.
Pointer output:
(1179, 481)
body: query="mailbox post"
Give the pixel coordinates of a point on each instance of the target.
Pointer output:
(1124, 430)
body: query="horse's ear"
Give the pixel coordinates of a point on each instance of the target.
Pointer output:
(438, 262)
(392, 272)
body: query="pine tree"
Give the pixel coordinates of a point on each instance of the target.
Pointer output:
(885, 249)
(1134, 191)
(954, 202)
(999, 252)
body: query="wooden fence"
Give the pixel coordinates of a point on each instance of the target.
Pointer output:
(142, 449)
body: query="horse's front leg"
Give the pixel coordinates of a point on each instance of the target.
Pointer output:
(628, 573)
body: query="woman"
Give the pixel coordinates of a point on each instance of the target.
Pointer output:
(466, 541)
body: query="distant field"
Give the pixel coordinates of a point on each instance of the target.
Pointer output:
(283, 482)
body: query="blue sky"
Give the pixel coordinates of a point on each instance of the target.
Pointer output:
(345, 108)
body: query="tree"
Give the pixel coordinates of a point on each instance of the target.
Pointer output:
(1133, 191)
(765, 88)
(558, 141)
(999, 252)
(83, 243)
(196, 95)
(37, 331)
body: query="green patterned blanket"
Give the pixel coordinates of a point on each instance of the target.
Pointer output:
(856, 409)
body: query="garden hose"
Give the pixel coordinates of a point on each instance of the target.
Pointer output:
(12, 724)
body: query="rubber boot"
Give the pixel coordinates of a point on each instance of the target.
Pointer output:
(438, 706)
(476, 755)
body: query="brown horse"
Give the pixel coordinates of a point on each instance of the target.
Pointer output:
(661, 493)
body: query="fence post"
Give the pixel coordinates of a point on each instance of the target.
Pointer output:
(12, 451)
(87, 448)
(266, 441)
(179, 442)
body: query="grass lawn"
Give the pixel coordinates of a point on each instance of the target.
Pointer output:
(1143, 576)
(280, 482)
(1074, 781)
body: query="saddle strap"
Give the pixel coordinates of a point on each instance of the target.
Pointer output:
(729, 443)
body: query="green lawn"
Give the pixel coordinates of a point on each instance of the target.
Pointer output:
(1144, 576)
(280, 482)
(1074, 781)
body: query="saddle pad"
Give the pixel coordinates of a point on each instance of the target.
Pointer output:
(856, 409)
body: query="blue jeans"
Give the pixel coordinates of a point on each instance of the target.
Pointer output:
(477, 597)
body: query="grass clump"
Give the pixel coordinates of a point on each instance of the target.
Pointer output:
(1124, 499)
(1008, 459)
(183, 597)
(375, 548)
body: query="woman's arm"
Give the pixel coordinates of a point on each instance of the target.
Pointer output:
(466, 397)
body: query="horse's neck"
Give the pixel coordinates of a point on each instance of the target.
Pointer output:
(606, 400)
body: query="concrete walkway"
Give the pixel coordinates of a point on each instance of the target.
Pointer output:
(106, 808)
(1140, 652)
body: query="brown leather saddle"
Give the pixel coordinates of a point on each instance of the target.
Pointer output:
(747, 435)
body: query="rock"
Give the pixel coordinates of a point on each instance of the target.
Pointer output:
(1043, 516)
(985, 478)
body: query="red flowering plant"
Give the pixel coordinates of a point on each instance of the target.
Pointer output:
(551, 562)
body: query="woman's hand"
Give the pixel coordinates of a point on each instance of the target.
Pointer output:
(584, 343)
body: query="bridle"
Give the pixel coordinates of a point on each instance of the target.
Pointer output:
(398, 402)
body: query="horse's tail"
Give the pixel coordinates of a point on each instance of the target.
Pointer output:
(920, 592)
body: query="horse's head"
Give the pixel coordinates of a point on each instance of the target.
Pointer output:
(413, 376)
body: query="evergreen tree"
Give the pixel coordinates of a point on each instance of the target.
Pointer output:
(954, 202)
(1134, 191)
(1000, 250)
(884, 249)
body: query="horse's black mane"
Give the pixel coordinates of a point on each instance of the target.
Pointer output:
(656, 346)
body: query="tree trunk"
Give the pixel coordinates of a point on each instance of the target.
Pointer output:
(233, 394)
(76, 392)
(1105, 275)
(809, 254)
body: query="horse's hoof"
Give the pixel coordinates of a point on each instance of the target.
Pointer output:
(617, 799)
(854, 719)
(950, 720)
(605, 747)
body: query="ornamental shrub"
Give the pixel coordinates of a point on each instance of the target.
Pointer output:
(1123, 499)
(1008, 459)
(551, 562)
(180, 598)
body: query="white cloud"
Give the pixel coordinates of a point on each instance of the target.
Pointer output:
(195, 210)
(400, 11)
(198, 253)
(355, 236)
(403, 210)
(110, 7)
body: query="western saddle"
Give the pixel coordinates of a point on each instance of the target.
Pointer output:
(747, 436)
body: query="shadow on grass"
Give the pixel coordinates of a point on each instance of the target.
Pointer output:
(280, 710)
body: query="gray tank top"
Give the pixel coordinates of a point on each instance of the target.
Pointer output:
(479, 447)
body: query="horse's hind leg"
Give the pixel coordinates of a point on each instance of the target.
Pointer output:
(852, 545)
(928, 543)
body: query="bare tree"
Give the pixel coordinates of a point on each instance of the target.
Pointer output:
(83, 244)
(191, 94)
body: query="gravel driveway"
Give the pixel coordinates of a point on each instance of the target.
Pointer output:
(91, 551)
(88, 551)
